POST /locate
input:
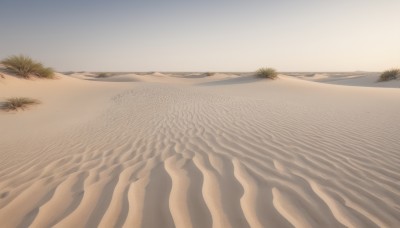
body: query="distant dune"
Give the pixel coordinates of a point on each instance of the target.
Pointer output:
(195, 150)
(364, 79)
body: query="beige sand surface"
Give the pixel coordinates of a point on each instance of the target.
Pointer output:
(163, 150)
(364, 79)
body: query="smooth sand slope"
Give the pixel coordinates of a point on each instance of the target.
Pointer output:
(219, 151)
(349, 79)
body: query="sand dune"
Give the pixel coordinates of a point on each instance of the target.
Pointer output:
(351, 79)
(223, 151)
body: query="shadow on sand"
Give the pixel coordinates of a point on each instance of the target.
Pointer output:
(114, 79)
(232, 81)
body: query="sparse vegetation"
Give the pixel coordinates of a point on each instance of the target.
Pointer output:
(68, 72)
(269, 73)
(103, 75)
(390, 75)
(208, 74)
(25, 67)
(16, 103)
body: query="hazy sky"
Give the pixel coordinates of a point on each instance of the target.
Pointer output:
(203, 35)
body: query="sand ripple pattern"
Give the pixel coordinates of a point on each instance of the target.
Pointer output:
(165, 156)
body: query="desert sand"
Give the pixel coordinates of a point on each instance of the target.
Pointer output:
(190, 150)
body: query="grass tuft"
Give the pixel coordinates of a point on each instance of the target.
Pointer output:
(269, 73)
(45, 72)
(103, 75)
(389, 75)
(25, 67)
(16, 103)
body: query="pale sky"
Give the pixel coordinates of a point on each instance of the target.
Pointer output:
(206, 35)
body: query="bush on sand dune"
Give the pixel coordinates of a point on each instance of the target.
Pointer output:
(16, 103)
(269, 73)
(25, 67)
(389, 75)
(103, 75)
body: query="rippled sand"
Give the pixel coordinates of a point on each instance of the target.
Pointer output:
(220, 151)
